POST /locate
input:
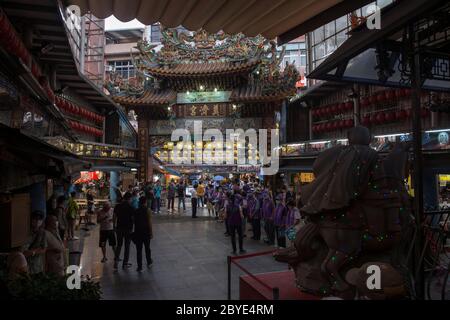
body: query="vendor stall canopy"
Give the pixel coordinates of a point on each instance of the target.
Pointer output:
(286, 19)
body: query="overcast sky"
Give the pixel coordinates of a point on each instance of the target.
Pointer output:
(112, 23)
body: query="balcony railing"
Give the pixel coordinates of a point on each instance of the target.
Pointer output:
(93, 150)
(438, 139)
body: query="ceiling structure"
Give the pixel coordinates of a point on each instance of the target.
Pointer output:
(285, 19)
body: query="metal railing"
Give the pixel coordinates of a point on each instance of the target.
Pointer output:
(86, 149)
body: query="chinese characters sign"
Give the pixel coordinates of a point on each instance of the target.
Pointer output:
(203, 97)
(203, 110)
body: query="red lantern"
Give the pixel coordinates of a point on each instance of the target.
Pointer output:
(373, 99)
(365, 121)
(349, 105)
(424, 112)
(373, 118)
(390, 116)
(381, 97)
(398, 93)
(390, 95)
(380, 118)
(334, 108)
(365, 102)
(400, 115)
(406, 92)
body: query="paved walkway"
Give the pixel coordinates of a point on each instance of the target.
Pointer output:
(189, 262)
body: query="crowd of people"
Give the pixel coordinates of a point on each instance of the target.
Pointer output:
(239, 204)
(242, 206)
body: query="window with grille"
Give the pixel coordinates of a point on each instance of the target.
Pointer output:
(124, 67)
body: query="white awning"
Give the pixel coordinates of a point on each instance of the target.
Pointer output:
(270, 18)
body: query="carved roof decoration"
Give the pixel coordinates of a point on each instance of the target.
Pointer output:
(251, 66)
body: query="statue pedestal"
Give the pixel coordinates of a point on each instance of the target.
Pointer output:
(250, 289)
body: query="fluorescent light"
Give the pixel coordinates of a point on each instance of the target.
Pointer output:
(319, 142)
(133, 169)
(437, 130)
(342, 140)
(392, 135)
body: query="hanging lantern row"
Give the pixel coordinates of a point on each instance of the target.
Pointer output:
(332, 109)
(48, 90)
(333, 125)
(388, 95)
(10, 40)
(72, 108)
(384, 117)
(85, 128)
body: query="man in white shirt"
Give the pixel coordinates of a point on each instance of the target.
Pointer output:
(105, 218)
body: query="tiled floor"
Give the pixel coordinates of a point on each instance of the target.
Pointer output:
(189, 262)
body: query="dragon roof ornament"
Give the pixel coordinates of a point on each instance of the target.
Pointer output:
(181, 46)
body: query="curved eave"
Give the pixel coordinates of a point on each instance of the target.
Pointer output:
(197, 70)
(149, 98)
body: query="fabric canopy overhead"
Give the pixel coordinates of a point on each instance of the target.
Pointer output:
(269, 18)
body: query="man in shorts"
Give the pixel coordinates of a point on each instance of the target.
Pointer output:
(105, 218)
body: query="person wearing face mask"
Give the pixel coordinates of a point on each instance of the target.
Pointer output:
(54, 256)
(37, 245)
(60, 213)
(279, 221)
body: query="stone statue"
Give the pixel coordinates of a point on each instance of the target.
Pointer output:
(356, 209)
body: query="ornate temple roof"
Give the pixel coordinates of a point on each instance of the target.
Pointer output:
(150, 97)
(249, 67)
(203, 69)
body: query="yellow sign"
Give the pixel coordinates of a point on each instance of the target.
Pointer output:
(444, 179)
(306, 177)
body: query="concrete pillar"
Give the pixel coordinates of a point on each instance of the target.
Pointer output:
(38, 197)
(356, 106)
(283, 120)
(114, 180)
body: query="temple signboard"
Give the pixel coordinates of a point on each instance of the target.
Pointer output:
(203, 97)
(203, 110)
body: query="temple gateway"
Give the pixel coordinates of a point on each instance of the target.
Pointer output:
(225, 81)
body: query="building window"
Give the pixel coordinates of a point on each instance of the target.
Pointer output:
(124, 67)
(155, 33)
(326, 39)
